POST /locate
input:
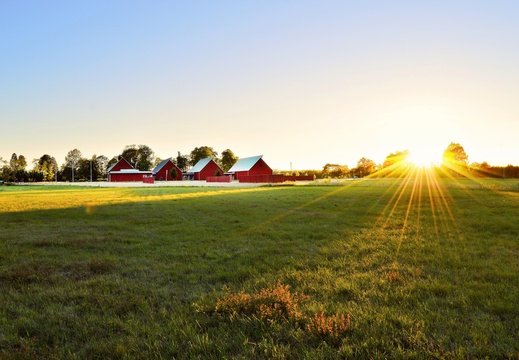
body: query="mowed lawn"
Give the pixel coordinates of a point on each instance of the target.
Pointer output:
(417, 268)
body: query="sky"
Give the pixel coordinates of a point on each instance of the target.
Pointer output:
(303, 83)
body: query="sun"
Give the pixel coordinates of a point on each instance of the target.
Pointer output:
(423, 157)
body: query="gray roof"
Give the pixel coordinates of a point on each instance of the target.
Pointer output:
(200, 165)
(245, 164)
(160, 166)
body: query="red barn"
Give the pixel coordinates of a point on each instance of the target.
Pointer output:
(123, 171)
(250, 166)
(128, 175)
(162, 171)
(121, 163)
(203, 169)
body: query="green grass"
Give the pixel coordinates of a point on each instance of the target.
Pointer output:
(125, 273)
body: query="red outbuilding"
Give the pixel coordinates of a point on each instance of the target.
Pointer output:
(123, 171)
(121, 163)
(251, 166)
(203, 169)
(162, 171)
(128, 175)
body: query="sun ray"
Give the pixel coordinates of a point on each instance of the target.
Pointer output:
(431, 202)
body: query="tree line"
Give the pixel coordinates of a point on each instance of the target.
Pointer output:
(76, 167)
(455, 163)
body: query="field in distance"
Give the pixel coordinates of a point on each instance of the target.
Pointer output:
(402, 268)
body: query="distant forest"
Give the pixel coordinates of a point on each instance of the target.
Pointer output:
(76, 167)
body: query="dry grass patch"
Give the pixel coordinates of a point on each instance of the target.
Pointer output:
(276, 304)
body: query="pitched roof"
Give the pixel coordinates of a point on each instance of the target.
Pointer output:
(245, 164)
(200, 165)
(160, 166)
(118, 161)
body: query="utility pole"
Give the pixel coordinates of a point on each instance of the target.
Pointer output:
(90, 170)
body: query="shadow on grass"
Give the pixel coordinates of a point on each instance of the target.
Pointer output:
(120, 279)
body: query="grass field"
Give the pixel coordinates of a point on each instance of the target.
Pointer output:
(368, 269)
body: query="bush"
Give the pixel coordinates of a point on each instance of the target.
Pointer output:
(173, 174)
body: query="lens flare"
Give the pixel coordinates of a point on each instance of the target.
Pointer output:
(424, 158)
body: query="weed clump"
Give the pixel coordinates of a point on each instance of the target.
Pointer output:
(332, 327)
(278, 305)
(394, 276)
(273, 303)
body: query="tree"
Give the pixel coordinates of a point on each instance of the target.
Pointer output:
(111, 162)
(82, 171)
(87, 168)
(455, 158)
(395, 158)
(35, 176)
(131, 154)
(484, 166)
(395, 165)
(102, 165)
(365, 167)
(141, 157)
(17, 166)
(455, 154)
(47, 166)
(146, 156)
(156, 162)
(14, 161)
(73, 157)
(7, 174)
(181, 161)
(173, 173)
(22, 163)
(335, 171)
(71, 164)
(200, 153)
(227, 160)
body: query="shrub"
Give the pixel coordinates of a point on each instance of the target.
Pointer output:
(173, 173)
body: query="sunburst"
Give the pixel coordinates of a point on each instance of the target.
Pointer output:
(423, 158)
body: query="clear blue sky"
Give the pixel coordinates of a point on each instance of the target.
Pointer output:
(307, 82)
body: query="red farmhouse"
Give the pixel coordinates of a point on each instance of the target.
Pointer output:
(204, 168)
(251, 166)
(162, 171)
(123, 171)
